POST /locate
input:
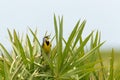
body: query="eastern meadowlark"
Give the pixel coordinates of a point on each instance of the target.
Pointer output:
(46, 45)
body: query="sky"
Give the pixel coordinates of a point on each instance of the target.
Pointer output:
(102, 15)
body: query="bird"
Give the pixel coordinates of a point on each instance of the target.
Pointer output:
(46, 45)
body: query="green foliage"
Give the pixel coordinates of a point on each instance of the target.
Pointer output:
(68, 60)
(111, 66)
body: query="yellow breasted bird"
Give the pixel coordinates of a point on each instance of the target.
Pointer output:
(46, 45)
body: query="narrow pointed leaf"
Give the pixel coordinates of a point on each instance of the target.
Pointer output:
(56, 28)
(6, 53)
(80, 31)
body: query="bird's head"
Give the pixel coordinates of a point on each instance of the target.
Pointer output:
(46, 38)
